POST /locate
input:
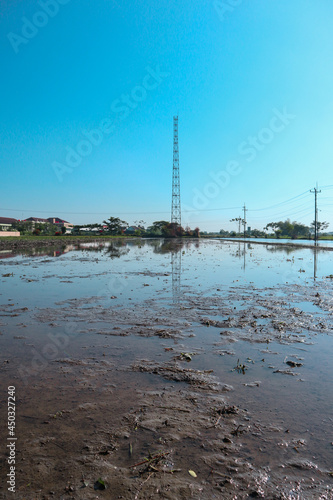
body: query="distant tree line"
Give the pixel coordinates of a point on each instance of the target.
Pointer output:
(256, 233)
(42, 229)
(116, 226)
(171, 230)
(295, 229)
(281, 229)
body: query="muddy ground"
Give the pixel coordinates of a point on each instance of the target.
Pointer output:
(120, 403)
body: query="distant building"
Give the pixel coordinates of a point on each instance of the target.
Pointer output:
(6, 223)
(6, 227)
(36, 220)
(90, 229)
(132, 229)
(60, 222)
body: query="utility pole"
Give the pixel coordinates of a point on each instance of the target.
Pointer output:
(175, 205)
(240, 221)
(315, 191)
(244, 220)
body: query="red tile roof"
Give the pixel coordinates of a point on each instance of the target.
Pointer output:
(57, 220)
(35, 219)
(7, 220)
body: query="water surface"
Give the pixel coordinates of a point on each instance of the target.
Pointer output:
(224, 304)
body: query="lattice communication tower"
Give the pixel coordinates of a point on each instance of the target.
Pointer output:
(175, 206)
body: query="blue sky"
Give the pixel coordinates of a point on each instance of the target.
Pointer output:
(89, 91)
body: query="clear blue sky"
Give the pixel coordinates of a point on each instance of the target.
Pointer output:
(252, 85)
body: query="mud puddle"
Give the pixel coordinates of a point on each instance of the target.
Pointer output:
(138, 380)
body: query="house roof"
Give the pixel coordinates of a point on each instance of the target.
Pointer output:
(57, 220)
(7, 220)
(35, 219)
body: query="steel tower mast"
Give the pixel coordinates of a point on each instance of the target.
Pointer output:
(175, 206)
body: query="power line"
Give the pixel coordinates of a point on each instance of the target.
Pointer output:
(285, 213)
(121, 213)
(137, 212)
(279, 204)
(80, 213)
(306, 215)
(212, 209)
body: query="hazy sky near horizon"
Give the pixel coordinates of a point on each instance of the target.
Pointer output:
(89, 91)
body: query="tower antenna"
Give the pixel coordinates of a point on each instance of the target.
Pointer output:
(175, 205)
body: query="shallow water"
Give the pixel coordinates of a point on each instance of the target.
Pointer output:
(225, 304)
(319, 243)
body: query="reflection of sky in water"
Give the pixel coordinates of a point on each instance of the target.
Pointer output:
(320, 243)
(137, 270)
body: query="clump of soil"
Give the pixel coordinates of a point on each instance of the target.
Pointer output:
(202, 379)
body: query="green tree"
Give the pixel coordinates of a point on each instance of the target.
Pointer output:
(286, 228)
(257, 233)
(299, 230)
(321, 226)
(115, 225)
(171, 230)
(25, 227)
(274, 226)
(159, 225)
(47, 228)
(240, 222)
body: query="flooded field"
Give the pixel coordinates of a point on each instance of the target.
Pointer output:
(151, 369)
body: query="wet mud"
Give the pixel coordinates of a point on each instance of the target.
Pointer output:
(170, 396)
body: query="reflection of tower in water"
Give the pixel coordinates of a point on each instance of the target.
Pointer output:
(315, 262)
(176, 253)
(242, 252)
(176, 265)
